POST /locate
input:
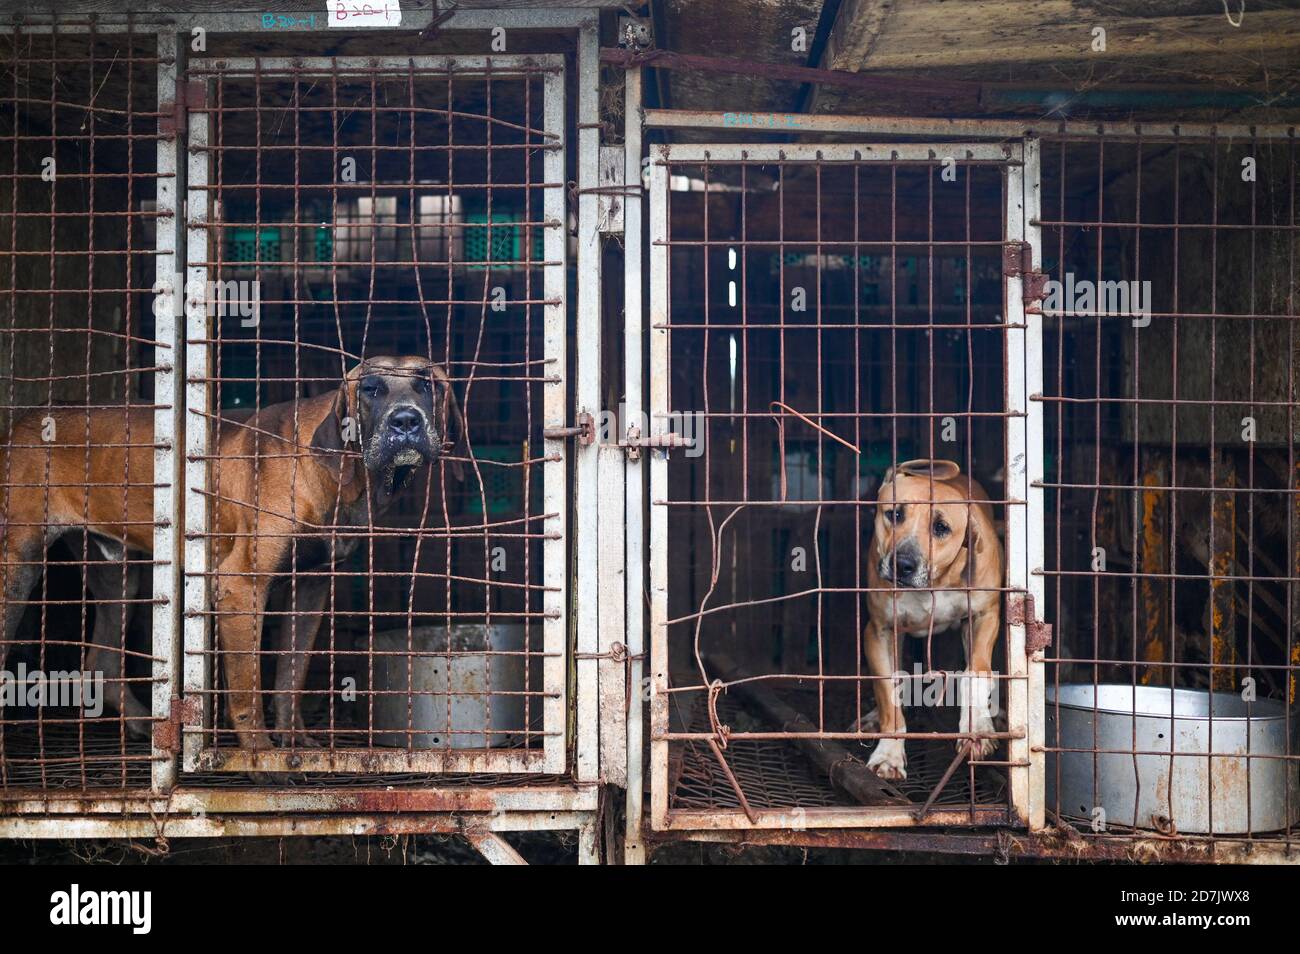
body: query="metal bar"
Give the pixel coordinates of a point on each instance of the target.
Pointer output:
(659, 370)
(281, 826)
(635, 473)
(586, 470)
(197, 633)
(1018, 452)
(612, 706)
(965, 129)
(555, 491)
(305, 20)
(767, 154)
(501, 65)
(1035, 511)
(168, 506)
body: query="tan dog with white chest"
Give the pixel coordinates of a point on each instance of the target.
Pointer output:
(935, 561)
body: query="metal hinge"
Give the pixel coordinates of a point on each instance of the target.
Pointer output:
(190, 93)
(1018, 262)
(1020, 612)
(584, 430)
(167, 734)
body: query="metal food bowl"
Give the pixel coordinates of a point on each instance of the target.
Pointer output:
(450, 688)
(1189, 790)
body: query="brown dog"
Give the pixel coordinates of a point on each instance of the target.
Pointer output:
(935, 561)
(282, 478)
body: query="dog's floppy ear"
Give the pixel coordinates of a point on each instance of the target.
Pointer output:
(453, 442)
(328, 442)
(923, 467)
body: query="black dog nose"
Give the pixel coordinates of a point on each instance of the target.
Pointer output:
(904, 563)
(404, 421)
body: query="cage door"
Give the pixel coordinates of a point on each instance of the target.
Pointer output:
(375, 555)
(819, 316)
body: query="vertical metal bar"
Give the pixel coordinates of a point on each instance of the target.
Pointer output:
(587, 399)
(1017, 488)
(1036, 515)
(611, 708)
(167, 425)
(555, 492)
(658, 487)
(634, 538)
(196, 640)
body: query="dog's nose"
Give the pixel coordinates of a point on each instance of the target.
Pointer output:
(405, 421)
(904, 563)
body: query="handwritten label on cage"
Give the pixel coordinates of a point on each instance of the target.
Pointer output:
(353, 13)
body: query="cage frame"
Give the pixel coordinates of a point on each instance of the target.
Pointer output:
(1040, 838)
(568, 801)
(199, 640)
(1022, 344)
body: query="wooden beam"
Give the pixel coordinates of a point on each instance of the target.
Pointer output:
(920, 34)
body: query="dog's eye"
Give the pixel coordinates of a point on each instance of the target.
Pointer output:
(894, 515)
(369, 390)
(424, 385)
(941, 528)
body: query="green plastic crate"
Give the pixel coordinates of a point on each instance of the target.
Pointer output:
(247, 245)
(507, 242)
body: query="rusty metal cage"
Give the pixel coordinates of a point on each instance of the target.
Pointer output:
(85, 379)
(819, 314)
(1171, 554)
(267, 224)
(399, 207)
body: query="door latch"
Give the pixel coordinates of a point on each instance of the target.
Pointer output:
(584, 430)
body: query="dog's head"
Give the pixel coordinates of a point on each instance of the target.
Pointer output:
(402, 414)
(922, 519)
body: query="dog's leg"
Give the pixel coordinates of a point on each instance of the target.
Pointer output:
(20, 552)
(109, 586)
(980, 632)
(297, 637)
(239, 601)
(889, 758)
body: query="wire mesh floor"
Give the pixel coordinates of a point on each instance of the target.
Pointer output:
(775, 774)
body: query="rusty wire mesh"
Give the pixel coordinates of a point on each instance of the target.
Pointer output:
(1171, 486)
(382, 212)
(78, 186)
(827, 318)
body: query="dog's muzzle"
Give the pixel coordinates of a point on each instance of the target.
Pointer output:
(401, 444)
(905, 565)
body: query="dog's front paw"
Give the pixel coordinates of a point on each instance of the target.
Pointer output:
(980, 724)
(889, 760)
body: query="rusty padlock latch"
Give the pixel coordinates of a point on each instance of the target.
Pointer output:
(584, 430)
(667, 441)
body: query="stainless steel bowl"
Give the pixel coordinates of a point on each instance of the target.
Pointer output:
(1188, 790)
